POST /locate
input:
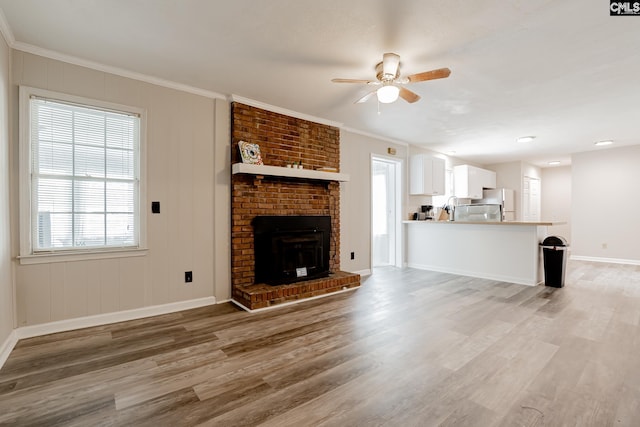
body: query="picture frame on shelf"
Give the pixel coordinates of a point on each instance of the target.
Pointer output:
(250, 153)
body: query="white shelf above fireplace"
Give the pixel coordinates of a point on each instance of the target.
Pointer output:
(247, 168)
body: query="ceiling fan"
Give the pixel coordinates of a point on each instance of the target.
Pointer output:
(390, 83)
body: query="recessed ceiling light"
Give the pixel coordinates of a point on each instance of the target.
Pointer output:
(608, 142)
(554, 163)
(526, 138)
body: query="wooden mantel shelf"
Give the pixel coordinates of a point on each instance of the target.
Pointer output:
(288, 172)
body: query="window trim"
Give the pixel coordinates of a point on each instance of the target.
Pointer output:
(27, 254)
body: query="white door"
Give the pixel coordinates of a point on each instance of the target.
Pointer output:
(531, 199)
(385, 217)
(534, 194)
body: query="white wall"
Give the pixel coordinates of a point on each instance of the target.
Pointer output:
(6, 281)
(184, 171)
(556, 199)
(605, 204)
(355, 196)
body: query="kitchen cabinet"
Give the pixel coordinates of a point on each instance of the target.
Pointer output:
(470, 180)
(426, 175)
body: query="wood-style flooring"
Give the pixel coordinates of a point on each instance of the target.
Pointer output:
(409, 348)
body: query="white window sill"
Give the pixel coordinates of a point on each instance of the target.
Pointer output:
(43, 258)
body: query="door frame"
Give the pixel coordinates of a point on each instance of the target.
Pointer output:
(399, 163)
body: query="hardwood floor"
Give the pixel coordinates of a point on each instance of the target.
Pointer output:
(408, 348)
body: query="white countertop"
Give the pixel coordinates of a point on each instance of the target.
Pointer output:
(511, 223)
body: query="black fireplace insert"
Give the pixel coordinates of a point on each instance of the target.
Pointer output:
(291, 248)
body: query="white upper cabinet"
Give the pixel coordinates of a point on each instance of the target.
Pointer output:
(470, 180)
(426, 175)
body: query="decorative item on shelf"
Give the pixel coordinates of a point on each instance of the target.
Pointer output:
(327, 169)
(250, 153)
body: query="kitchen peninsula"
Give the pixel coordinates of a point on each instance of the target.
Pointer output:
(506, 251)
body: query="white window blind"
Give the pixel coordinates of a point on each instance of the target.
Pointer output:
(85, 176)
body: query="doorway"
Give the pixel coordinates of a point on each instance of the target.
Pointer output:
(386, 194)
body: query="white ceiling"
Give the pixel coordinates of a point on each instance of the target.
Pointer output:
(564, 71)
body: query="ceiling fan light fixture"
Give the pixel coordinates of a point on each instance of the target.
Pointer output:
(388, 81)
(388, 93)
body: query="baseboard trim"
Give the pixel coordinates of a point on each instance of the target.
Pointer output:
(107, 318)
(7, 347)
(292, 302)
(496, 277)
(605, 260)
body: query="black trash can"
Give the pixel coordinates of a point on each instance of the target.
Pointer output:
(554, 252)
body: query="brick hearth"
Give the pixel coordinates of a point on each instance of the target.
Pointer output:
(262, 295)
(282, 140)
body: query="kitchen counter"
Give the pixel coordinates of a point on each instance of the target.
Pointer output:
(505, 251)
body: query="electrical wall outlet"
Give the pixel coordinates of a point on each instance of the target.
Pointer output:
(188, 276)
(155, 207)
(353, 255)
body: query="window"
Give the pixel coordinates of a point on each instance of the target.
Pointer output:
(80, 175)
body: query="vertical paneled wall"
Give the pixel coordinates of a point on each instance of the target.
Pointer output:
(356, 151)
(6, 285)
(180, 175)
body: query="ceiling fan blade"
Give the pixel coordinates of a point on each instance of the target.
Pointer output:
(366, 97)
(409, 96)
(440, 73)
(353, 81)
(390, 64)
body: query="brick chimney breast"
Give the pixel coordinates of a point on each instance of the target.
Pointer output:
(282, 140)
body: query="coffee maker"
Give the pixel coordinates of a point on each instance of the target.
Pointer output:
(427, 210)
(425, 213)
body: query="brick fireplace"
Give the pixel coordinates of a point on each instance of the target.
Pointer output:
(283, 140)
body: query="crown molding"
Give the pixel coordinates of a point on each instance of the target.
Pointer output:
(284, 111)
(374, 136)
(5, 30)
(51, 54)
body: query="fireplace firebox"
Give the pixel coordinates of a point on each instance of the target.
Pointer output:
(291, 248)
